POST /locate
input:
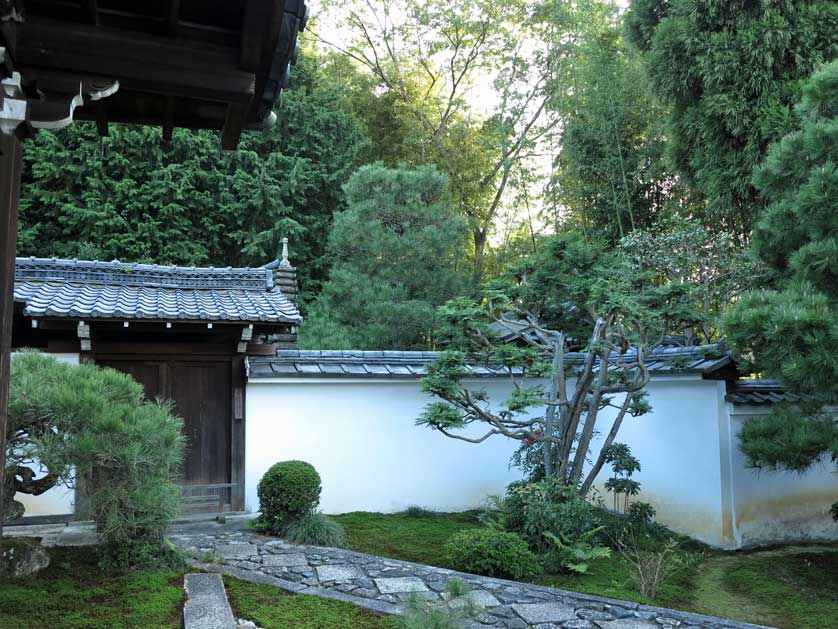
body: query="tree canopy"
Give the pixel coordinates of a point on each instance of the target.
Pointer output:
(396, 252)
(129, 196)
(790, 331)
(731, 72)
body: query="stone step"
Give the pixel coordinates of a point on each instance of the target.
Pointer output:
(206, 604)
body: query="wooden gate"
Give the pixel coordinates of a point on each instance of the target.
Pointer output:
(201, 392)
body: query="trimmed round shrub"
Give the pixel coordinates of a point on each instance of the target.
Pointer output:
(287, 491)
(493, 553)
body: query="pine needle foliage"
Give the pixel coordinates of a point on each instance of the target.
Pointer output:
(93, 428)
(791, 330)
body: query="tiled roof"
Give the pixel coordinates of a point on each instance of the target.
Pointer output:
(761, 392)
(290, 363)
(79, 289)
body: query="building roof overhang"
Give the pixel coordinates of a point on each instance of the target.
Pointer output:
(198, 64)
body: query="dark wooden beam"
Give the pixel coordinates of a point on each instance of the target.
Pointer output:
(141, 62)
(232, 129)
(91, 10)
(101, 118)
(174, 16)
(11, 152)
(268, 50)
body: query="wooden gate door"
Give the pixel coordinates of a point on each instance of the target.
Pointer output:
(200, 391)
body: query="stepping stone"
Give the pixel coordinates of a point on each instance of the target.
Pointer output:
(232, 551)
(400, 584)
(628, 623)
(535, 613)
(206, 605)
(482, 598)
(338, 573)
(287, 560)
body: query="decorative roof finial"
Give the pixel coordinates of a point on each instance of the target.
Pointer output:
(284, 261)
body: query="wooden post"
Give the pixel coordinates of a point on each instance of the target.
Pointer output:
(11, 153)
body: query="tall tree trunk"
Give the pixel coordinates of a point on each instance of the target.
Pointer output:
(480, 237)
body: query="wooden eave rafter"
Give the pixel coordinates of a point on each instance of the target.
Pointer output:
(222, 74)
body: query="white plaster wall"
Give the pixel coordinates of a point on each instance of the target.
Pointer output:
(771, 507)
(361, 437)
(58, 500)
(678, 447)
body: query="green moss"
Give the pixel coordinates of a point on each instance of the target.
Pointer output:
(270, 608)
(406, 536)
(793, 587)
(73, 593)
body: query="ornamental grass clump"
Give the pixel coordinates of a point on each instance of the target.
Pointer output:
(93, 427)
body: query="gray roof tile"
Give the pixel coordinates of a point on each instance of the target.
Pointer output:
(759, 392)
(383, 364)
(82, 289)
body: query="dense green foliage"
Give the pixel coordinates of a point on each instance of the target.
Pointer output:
(287, 491)
(129, 196)
(492, 552)
(396, 254)
(791, 330)
(731, 72)
(610, 176)
(94, 425)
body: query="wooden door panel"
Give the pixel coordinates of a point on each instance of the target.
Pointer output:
(201, 393)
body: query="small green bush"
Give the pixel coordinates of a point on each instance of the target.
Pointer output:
(415, 511)
(493, 553)
(287, 491)
(313, 529)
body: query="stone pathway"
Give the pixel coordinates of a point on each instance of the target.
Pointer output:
(382, 585)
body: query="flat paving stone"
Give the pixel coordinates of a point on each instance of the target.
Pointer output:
(397, 585)
(206, 605)
(338, 573)
(536, 613)
(383, 585)
(628, 623)
(477, 597)
(286, 560)
(233, 551)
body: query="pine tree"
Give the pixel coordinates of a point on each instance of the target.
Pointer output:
(791, 330)
(396, 251)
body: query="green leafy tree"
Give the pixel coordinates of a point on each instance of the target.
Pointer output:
(610, 176)
(396, 254)
(129, 196)
(715, 266)
(429, 64)
(574, 295)
(790, 331)
(731, 71)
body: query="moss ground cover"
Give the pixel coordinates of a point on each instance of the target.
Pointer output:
(73, 593)
(417, 538)
(270, 608)
(792, 587)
